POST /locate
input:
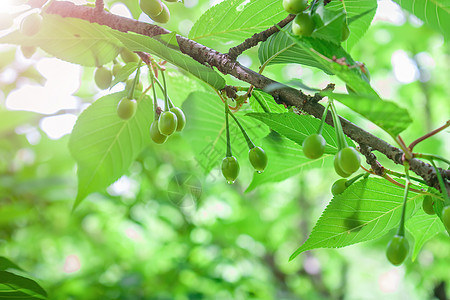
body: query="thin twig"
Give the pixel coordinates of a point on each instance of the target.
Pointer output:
(437, 130)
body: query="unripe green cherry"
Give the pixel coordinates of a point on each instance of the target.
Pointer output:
(103, 78)
(6, 21)
(258, 159)
(314, 146)
(397, 250)
(31, 24)
(338, 169)
(345, 32)
(151, 8)
(164, 16)
(339, 186)
(427, 205)
(126, 108)
(28, 51)
(155, 134)
(294, 6)
(303, 25)
(139, 86)
(181, 118)
(167, 123)
(349, 160)
(116, 68)
(446, 217)
(230, 168)
(128, 56)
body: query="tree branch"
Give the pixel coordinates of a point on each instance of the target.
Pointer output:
(234, 52)
(283, 95)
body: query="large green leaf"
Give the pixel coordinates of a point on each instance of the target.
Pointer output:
(104, 145)
(70, 39)
(235, 20)
(298, 127)
(285, 159)
(205, 130)
(423, 227)
(365, 211)
(435, 13)
(386, 114)
(361, 11)
(7, 264)
(13, 286)
(136, 42)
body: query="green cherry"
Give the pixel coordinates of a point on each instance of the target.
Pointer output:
(31, 24)
(294, 6)
(151, 8)
(155, 134)
(339, 186)
(427, 205)
(103, 78)
(258, 159)
(28, 51)
(446, 217)
(314, 146)
(349, 160)
(303, 25)
(230, 168)
(181, 118)
(397, 250)
(167, 123)
(164, 16)
(338, 169)
(126, 108)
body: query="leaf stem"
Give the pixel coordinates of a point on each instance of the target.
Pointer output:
(424, 137)
(432, 157)
(244, 133)
(264, 108)
(441, 182)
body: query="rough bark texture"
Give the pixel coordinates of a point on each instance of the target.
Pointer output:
(226, 65)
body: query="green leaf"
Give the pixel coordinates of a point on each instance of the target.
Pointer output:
(285, 159)
(205, 130)
(359, 16)
(435, 14)
(136, 42)
(124, 73)
(233, 21)
(267, 101)
(7, 264)
(364, 211)
(423, 227)
(331, 24)
(298, 127)
(70, 39)
(386, 114)
(13, 286)
(104, 145)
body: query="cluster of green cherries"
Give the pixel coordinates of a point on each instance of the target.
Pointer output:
(304, 24)
(346, 162)
(230, 166)
(156, 10)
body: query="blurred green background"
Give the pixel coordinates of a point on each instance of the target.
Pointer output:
(167, 231)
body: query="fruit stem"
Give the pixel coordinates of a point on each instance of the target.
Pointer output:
(155, 102)
(162, 89)
(342, 143)
(401, 228)
(166, 98)
(324, 116)
(398, 174)
(351, 181)
(424, 137)
(441, 182)
(227, 127)
(264, 108)
(135, 81)
(247, 138)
